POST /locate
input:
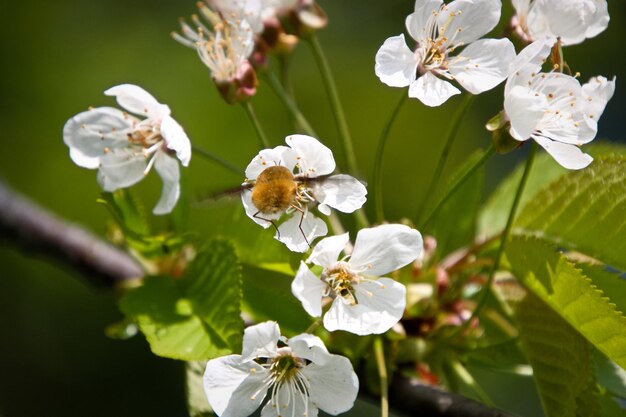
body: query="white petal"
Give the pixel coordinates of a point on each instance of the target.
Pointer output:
(572, 20)
(92, 133)
(176, 139)
(324, 209)
(396, 64)
(121, 168)
(260, 341)
(310, 347)
(533, 55)
(483, 65)
(167, 168)
(379, 307)
(298, 236)
(137, 100)
(419, 22)
(334, 386)
(568, 156)
(313, 158)
(598, 91)
(309, 289)
(341, 192)
(475, 19)
(432, 91)
(280, 155)
(263, 219)
(382, 249)
(521, 6)
(524, 109)
(230, 386)
(327, 251)
(288, 403)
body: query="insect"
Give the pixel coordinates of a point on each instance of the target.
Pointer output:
(275, 191)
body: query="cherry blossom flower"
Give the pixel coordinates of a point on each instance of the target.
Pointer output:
(124, 148)
(362, 302)
(225, 49)
(290, 179)
(439, 30)
(553, 108)
(572, 21)
(299, 375)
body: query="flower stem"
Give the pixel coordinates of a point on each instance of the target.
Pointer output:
(289, 103)
(382, 373)
(313, 326)
(468, 173)
(333, 95)
(247, 105)
(505, 234)
(378, 163)
(470, 382)
(450, 137)
(220, 161)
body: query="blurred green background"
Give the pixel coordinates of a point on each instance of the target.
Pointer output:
(57, 59)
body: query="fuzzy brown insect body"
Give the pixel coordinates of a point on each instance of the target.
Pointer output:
(274, 190)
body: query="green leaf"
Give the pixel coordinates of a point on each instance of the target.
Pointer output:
(557, 282)
(583, 211)
(195, 317)
(454, 225)
(559, 355)
(267, 296)
(494, 213)
(612, 284)
(197, 403)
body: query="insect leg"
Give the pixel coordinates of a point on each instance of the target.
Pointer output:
(267, 220)
(302, 213)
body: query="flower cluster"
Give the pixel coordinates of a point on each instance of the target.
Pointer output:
(346, 286)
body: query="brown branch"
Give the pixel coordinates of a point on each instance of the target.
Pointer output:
(412, 398)
(38, 231)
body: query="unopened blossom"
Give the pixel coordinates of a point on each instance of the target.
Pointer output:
(572, 21)
(298, 375)
(553, 108)
(439, 30)
(362, 302)
(289, 180)
(225, 48)
(124, 147)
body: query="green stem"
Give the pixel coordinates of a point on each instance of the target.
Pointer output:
(289, 103)
(382, 373)
(505, 234)
(450, 137)
(470, 382)
(335, 103)
(211, 156)
(378, 163)
(313, 326)
(247, 105)
(467, 174)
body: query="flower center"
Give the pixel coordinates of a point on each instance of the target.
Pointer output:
(341, 280)
(434, 48)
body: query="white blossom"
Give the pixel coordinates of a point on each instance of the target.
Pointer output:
(439, 30)
(124, 147)
(571, 20)
(553, 108)
(290, 179)
(300, 377)
(362, 303)
(225, 47)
